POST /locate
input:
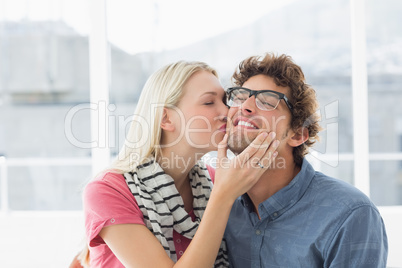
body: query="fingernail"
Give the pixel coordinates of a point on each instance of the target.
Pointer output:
(273, 135)
(264, 134)
(276, 143)
(275, 154)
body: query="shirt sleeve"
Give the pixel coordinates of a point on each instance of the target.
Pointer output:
(361, 241)
(211, 172)
(108, 201)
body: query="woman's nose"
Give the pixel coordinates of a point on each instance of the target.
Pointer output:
(223, 114)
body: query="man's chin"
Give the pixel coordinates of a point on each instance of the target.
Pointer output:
(238, 142)
(235, 150)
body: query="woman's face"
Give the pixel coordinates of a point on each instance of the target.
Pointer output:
(204, 111)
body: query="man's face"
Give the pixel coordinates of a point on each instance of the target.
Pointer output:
(247, 121)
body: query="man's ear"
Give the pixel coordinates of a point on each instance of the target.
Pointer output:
(167, 123)
(299, 137)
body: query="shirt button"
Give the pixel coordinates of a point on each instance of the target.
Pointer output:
(178, 241)
(257, 232)
(275, 214)
(112, 220)
(180, 252)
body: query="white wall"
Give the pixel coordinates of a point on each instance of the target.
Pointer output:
(392, 217)
(40, 239)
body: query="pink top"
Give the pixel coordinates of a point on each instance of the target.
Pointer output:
(108, 201)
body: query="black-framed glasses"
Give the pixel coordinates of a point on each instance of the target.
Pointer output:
(266, 100)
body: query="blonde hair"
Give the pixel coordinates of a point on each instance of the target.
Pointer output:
(164, 88)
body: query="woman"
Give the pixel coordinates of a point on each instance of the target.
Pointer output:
(145, 210)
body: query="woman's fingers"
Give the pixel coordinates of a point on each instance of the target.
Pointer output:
(269, 155)
(222, 147)
(267, 152)
(236, 176)
(257, 148)
(252, 148)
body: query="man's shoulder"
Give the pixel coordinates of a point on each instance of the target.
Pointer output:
(337, 192)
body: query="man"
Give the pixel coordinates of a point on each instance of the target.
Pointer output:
(294, 216)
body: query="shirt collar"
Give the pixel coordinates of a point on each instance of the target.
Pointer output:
(246, 202)
(286, 197)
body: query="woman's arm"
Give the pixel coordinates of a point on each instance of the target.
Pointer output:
(135, 246)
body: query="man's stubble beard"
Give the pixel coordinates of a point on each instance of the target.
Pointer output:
(238, 140)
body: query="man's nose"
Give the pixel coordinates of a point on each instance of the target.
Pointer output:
(249, 107)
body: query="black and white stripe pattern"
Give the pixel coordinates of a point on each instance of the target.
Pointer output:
(163, 207)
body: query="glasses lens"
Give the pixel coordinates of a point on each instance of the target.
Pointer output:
(237, 97)
(267, 101)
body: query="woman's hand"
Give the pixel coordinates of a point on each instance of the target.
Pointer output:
(234, 177)
(135, 246)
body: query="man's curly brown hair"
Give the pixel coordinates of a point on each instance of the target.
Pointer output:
(302, 96)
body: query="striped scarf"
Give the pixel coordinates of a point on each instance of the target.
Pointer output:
(163, 207)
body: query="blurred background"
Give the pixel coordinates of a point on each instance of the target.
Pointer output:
(50, 81)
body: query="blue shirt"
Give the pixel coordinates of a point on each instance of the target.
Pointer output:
(315, 221)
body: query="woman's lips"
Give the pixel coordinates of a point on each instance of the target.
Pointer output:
(223, 128)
